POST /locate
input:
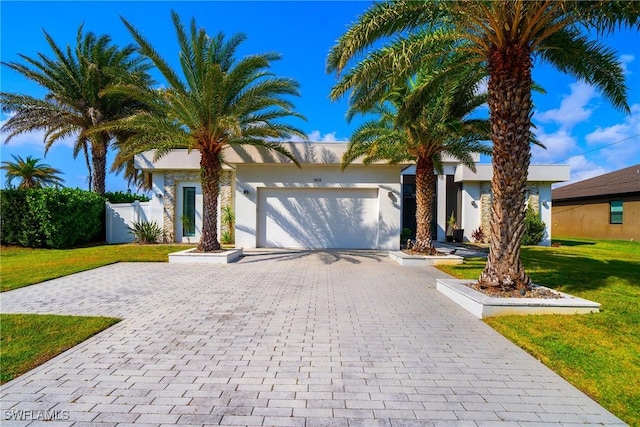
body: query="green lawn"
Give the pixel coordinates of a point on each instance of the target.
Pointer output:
(598, 353)
(28, 340)
(23, 266)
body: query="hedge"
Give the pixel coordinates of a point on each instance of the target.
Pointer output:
(122, 197)
(50, 217)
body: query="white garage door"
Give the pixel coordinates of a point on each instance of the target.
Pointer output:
(318, 218)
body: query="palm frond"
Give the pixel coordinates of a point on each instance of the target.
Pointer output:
(588, 60)
(380, 21)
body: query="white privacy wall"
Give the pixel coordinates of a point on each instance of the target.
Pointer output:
(119, 216)
(328, 207)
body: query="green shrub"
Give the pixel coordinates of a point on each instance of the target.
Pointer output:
(226, 237)
(50, 217)
(146, 232)
(229, 220)
(534, 228)
(122, 197)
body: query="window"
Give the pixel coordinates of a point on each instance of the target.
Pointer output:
(409, 190)
(188, 211)
(615, 210)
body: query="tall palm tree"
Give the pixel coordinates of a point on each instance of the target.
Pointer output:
(505, 37)
(420, 125)
(75, 103)
(220, 102)
(31, 173)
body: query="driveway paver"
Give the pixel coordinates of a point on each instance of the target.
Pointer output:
(282, 338)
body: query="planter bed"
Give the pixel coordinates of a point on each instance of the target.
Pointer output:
(422, 260)
(482, 306)
(191, 256)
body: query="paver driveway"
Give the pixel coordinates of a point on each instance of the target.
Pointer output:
(283, 338)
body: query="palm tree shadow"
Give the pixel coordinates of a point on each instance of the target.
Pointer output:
(571, 273)
(327, 256)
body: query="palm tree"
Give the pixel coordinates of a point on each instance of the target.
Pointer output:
(421, 126)
(75, 103)
(31, 172)
(504, 37)
(220, 102)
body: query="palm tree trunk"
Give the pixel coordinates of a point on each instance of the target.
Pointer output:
(425, 184)
(511, 109)
(85, 149)
(210, 168)
(99, 159)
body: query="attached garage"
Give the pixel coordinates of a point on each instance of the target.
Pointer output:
(318, 218)
(317, 206)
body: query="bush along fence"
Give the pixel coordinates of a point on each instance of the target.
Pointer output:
(50, 217)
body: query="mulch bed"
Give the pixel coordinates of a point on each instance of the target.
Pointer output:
(533, 292)
(432, 252)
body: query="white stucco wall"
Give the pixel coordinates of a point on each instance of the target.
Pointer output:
(120, 216)
(250, 178)
(472, 215)
(544, 191)
(157, 198)
(470, 209)
(539, 176)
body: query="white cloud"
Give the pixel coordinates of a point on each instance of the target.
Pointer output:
(583, 168)
(599, 157)
(573, 107)
(617, 132)
(560, 145)
(317, 136)
(624, 62)
(624, 140)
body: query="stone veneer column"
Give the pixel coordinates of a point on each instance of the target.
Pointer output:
(226, 195)
(170, 188)
(485, 209)
(533, 197)
(168, 205)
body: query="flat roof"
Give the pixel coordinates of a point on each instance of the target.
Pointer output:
(537, 173)
(305, 152)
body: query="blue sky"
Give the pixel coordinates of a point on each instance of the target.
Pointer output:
(575, 122)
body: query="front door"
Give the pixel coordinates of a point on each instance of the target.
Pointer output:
(189, 212)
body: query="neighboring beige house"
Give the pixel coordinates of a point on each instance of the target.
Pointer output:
(604, 207)
(318, 205)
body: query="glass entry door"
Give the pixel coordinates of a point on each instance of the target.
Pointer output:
(189, 212)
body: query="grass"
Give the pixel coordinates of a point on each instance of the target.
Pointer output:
(28, 340)
(25, 266)
(597, 353)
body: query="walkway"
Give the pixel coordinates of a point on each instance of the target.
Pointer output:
(283, 339)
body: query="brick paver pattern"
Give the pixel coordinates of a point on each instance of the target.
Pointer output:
(282, 338)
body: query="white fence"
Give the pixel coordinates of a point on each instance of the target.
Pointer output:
(120, 216)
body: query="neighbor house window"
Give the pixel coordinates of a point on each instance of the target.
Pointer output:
(615, 212)
(188, 211)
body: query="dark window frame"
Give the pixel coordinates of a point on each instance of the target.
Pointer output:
(188, 211)
(616, 212)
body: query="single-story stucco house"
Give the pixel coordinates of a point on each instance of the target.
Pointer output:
(278, 205)
(602, 207)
